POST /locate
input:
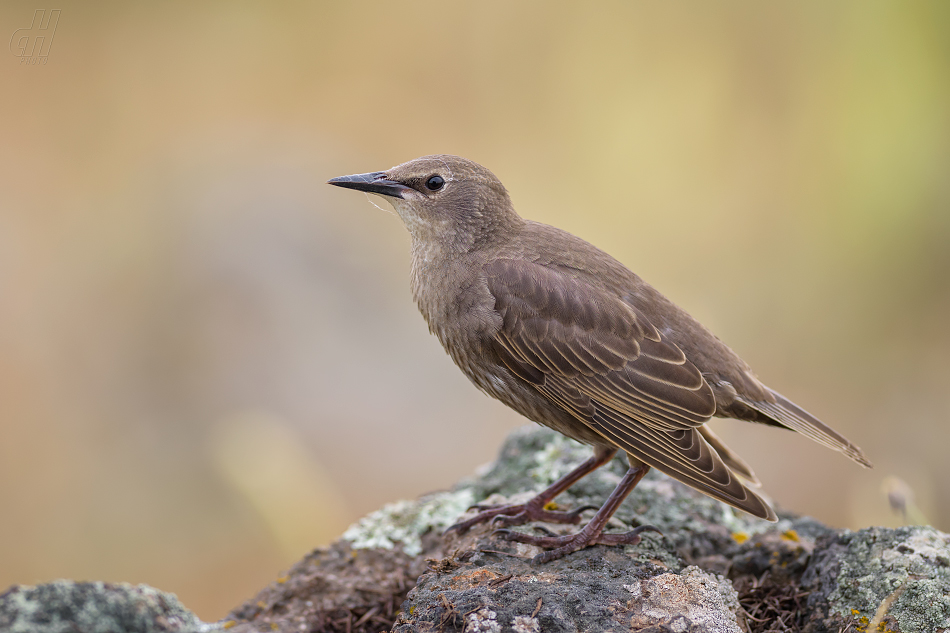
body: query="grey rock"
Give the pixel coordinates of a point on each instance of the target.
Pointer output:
(338, 588)
(65, 606)
(881, 579)
(488, 584)
(798, 571)
(692, 601)
(714, 569)
(592, 590)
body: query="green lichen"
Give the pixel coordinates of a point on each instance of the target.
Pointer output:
(65, 606)
(559, 456)
(907, 570)
(404, 522)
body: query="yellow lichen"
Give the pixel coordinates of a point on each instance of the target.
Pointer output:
(550, 506)
(740, 537)
(790, 535)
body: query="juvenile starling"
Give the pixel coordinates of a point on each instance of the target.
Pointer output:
(564, 334)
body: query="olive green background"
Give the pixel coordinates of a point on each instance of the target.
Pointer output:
(210, 361)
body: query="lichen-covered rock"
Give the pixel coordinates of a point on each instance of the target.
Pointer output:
(597, 589)
(882, 580)
(692, 601)
(713, 569)
(336, 588)
(489, 584)
(405, 522)
(94, 607)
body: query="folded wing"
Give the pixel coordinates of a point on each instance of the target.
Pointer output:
(599, 359)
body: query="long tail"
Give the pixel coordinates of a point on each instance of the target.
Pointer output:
(790, 415)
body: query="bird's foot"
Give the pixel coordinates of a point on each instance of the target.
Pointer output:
(566, 544)
(506, 516)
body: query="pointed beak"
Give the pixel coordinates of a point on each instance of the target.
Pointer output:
(375, 182)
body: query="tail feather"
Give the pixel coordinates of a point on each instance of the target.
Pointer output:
(733, 461)
(791, 416)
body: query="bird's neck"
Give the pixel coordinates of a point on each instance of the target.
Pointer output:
(434, 271)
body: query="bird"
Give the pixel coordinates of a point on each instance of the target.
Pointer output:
(571, 339)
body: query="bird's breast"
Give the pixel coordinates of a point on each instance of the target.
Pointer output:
(459, 310)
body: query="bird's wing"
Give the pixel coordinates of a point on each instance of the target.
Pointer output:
(558, 325)
(602, 361)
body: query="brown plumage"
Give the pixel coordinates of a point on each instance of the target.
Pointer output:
(567, 336)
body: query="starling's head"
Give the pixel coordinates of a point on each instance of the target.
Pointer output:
(445, 199)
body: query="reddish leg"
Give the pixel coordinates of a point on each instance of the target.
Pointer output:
(592, 533)
(534, 510)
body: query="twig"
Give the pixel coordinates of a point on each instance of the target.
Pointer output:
(537, 609)
(498, 581)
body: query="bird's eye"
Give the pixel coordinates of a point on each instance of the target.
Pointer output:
(434, 183)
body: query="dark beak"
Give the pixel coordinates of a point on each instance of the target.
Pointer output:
(375, 182)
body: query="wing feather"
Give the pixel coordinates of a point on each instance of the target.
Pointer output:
(559, 325)
(600, 360)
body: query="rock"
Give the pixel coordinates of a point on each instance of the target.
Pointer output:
(884, 579)
(488, 584)
(714, 569)
(692, 601)
(337, 588)
(790, 573)
(93, 607)
(405, 522)
(590, 591)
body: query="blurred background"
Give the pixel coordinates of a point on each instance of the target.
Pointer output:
(210, 361)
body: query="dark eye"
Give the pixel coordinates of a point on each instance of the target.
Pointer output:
(434, 183)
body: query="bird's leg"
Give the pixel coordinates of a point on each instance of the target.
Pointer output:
(534, 510)
(592, 533)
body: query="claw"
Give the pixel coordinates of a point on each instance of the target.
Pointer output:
(590, 534)
(505, 516)
(625, 538)
(544, 530)
(539, 541)
(551, 554)
(504, 520)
